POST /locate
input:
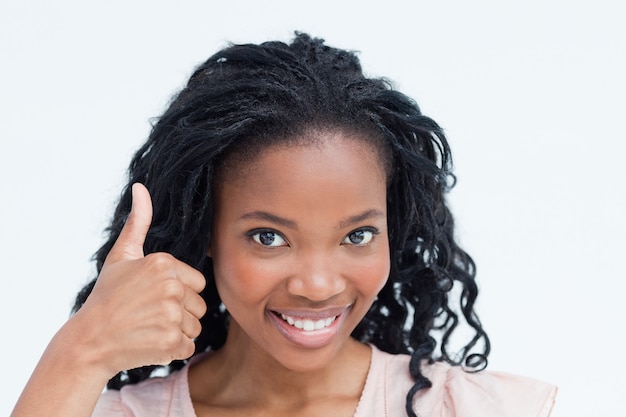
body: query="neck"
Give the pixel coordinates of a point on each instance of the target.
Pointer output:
(243, 373)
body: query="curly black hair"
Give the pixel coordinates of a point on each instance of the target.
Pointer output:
(246, 97)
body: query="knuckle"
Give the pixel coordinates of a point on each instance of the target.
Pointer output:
(170, 340)
(160, 260)
(174, 289)
(172, 314)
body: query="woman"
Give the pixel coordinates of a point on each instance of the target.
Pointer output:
(284, 226)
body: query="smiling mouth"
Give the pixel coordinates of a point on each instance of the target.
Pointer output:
(310, 329)
(306, 324)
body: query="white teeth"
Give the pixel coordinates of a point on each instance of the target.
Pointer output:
(308, 325)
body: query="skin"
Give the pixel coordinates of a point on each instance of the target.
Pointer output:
(302, 229)
(327, 190)
(115, 329)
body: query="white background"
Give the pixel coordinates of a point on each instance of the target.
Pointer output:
(531, 94)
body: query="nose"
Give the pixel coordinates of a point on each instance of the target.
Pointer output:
(317, 278)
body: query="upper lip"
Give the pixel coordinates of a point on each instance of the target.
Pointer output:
(311, 314)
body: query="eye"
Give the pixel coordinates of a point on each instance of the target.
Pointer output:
(360, 237)
(268, 238)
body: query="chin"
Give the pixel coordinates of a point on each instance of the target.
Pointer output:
(308, 360)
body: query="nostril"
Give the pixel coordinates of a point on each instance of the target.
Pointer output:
(316, 287)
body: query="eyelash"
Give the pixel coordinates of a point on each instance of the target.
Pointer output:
(371, 230)
(257, 235)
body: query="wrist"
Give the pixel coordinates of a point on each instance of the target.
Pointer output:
(78, 353)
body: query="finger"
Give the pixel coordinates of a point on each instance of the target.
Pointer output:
(190, 276)
(129, 244)
(191, 326)
(186, 348)
(194, 304)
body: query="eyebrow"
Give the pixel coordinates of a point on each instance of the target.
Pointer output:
(368, 214)
(264, 215)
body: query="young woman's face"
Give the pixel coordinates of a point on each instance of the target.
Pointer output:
(300, 247)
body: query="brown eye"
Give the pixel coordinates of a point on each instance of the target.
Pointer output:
(360, 236)
(268, 238)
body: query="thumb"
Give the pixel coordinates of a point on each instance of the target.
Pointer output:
(129, 244)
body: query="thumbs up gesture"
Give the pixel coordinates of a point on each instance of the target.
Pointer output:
(143, 310)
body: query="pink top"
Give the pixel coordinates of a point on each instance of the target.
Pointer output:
(455, 393)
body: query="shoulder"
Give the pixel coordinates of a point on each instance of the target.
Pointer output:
(456, 393)
(154, 397)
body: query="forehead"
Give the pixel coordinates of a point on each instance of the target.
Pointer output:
(313, 176)
(245, 159)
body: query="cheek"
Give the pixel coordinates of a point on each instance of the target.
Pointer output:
(370, 277)
(240, 279)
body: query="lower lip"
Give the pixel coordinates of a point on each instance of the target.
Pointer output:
(308, 339)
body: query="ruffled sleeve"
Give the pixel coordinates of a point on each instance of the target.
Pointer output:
(109, 405)
(154, 397)
(456, 393)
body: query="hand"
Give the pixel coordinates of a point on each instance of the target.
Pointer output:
(143, 310)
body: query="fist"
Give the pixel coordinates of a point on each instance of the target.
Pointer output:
(143, 310)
